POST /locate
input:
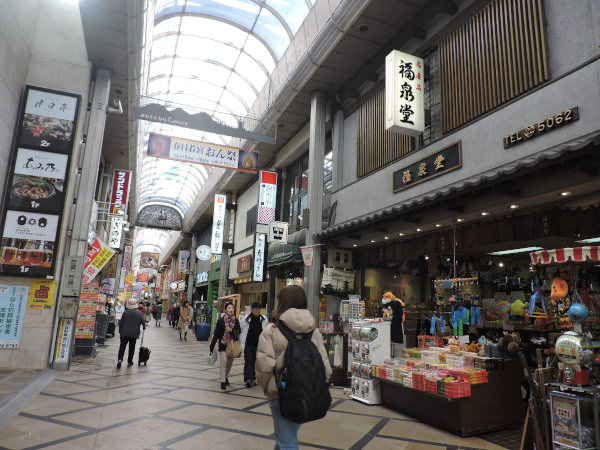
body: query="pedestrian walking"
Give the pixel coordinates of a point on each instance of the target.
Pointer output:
(170, 314)
(228, 326)
(252, 326)
(129, 330)
(158, 315)
(176, 314)
(292, 318)
(184, 320)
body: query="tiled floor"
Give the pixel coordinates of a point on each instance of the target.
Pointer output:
(176, 403)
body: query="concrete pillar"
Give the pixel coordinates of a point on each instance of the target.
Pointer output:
(225, 252)
(192, 268)
(316, 154)
(338, 149)
(88, 164)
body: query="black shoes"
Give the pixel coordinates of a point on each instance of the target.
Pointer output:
(129, 364)
(223, 385)
(227, 381)
(119, 364)
(250, 383)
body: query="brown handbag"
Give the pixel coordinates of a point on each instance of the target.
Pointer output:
(234, 347)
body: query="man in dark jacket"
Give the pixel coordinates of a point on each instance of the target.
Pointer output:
(129, 330)
(158, 314)
(176, 314)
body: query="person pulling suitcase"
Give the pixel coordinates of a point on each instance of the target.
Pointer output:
(144, 354)
(129, 330)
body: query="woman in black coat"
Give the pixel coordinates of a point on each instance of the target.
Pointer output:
(227, 329)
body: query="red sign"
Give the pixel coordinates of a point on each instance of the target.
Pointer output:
(267, 197)
(143, 277)
(120, 191)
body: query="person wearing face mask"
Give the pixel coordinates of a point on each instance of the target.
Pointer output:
(227, 328)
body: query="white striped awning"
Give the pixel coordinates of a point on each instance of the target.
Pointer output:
(561, 255)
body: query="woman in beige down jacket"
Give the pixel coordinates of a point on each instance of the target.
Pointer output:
(291, 310)
(184, 320)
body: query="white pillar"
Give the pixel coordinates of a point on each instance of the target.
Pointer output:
(316, 155)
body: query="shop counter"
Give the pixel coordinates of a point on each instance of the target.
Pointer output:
(492, 406)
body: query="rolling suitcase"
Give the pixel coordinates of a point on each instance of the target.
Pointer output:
(202, 331)
(144, 354)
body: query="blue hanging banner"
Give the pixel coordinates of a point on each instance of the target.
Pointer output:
(442, 328)
(432, 329)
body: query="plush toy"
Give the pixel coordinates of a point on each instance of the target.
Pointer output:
(503, 310)
(509, 343)
(517, 310)
(473, 347)
(559, 289)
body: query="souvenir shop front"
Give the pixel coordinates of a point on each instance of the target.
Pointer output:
(493, 278)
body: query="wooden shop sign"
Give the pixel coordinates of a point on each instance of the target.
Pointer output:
(244, 263)
(440, 162)
(536, 129)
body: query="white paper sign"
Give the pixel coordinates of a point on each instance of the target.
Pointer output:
(259, 257)
(308, 255)
(278, 232)
(64, 340)
(216, 242)
(267, 197)
(404, 99)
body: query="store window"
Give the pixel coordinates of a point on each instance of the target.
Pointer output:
(296, 206)
(251, 221)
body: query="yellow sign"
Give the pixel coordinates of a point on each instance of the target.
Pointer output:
(129, 279)
(102, 258)
(41, 294)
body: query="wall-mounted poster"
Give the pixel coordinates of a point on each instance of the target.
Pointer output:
(28, 242)
(38, 181)
(13, 300)
(48, 120)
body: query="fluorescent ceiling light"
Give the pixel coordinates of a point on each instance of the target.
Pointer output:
(589, 241)
(516, 250)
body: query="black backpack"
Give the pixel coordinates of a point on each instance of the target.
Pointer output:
(303, 392)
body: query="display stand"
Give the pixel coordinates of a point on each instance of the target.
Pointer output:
(337, 344)
(492, 406)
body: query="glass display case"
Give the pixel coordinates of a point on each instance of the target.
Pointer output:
(336, 345)
(574, 413)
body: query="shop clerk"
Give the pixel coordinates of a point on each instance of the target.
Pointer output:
(394, 309)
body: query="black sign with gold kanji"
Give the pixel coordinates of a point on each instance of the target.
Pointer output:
(443, 161)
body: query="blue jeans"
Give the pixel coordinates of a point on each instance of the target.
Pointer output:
(286, 431)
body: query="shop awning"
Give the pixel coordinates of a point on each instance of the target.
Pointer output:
(284, 253)
(506, 169)
(561, 255)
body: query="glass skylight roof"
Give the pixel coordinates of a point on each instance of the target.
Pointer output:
(215, 55)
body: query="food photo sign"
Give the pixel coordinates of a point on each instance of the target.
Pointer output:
(34, 196)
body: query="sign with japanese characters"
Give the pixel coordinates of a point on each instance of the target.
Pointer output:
(308, 255)
(161, 146)
(267, 197)
(259, 257)
(65, 333)
(443, 161)
(116, 231)
(216, 242)
(120, 191)
(98, 254)
(48, 120)
(182, 259)
(13, 299)
(126, 265)
(41, 294)
(544, 126)
(28, 242)
(404, 100)
(37, 181)
(278, 232)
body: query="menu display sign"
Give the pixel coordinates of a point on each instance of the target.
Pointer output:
(28, 242)
(12, 310)
(37, 181)
(86, 312)
(120, 191)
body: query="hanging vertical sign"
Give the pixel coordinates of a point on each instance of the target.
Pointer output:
(65, 333)
(182, 261)
(120, 191)
(259, 257)
(126, 265)
(404, 99)
(267, 197)
(36, 182)
(116, 231)
(216, 242)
